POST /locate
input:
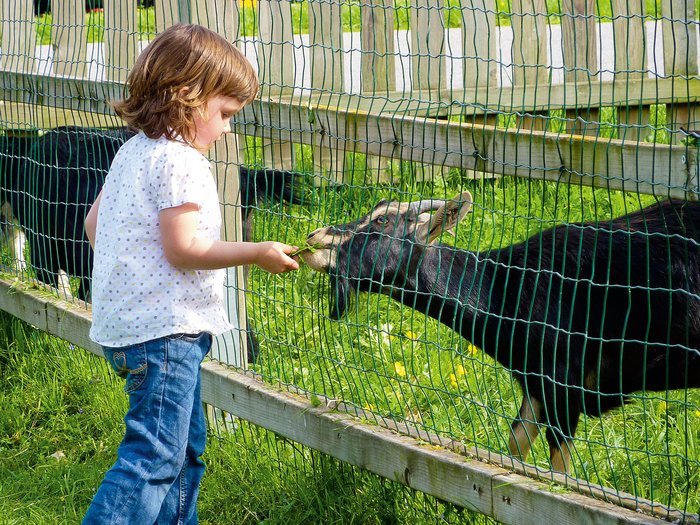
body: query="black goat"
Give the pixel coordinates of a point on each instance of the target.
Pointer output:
(582, 315)
(50, 182)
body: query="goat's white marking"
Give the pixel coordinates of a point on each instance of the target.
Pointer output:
(14, 238)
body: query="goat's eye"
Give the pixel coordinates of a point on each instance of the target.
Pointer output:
(381, 219)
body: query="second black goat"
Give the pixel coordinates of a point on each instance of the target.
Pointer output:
(582, 315)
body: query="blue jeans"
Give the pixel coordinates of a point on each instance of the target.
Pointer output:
(155, 479)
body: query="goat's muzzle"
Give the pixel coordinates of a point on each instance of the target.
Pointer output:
(324, 243)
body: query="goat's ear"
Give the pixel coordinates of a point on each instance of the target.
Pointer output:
(340, 292)
(445, 218)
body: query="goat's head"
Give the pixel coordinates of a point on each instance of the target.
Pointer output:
(376, 252)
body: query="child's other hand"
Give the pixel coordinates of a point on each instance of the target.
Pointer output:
(274, 257)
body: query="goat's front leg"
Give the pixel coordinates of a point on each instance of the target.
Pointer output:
(525, 428)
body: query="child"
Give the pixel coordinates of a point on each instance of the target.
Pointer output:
(158, 273)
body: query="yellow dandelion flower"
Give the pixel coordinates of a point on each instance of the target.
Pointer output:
(369, 407)
(472, 350)
(453, 380)
(400, 369)
(697, 413)
(663, 406)
(412, 335)
(460, 370)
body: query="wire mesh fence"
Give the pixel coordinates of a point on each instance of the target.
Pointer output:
(551, 114)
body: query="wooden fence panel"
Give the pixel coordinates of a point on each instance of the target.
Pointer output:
(631, 64)
(680, 60)
(18, 37)
(327, 75)
(378, 64)
(69, 36)
(121, 41)
(529, 57)
(276, 69)
(580, 50)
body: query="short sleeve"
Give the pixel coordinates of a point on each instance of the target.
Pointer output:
(181, 176)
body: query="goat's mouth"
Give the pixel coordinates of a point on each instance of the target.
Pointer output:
(318, 259)
(323, 254)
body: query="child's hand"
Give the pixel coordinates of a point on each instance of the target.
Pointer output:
(274, 257)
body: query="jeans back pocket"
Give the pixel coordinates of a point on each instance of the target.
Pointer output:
(129, 363)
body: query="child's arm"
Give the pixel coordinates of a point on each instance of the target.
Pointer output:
(185, 250)
(91, 221)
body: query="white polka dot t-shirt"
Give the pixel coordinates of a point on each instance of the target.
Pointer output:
(137, 295)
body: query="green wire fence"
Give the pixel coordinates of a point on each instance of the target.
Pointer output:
(549, 113)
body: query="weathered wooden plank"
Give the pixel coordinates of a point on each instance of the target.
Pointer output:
(91, 95)
(276, 69)
(18, 36)
(680, 43)
(377, 65)
(121, 38)
(524, 502)
(378, 60)
(645, 167)
(14, 300)
(327, 76)
(529, 56)
(71, 321)
(631, 64)
(69, 36)
(15, 115)
(479, 45)
(580, 52)
(470, 483)
(427, 48)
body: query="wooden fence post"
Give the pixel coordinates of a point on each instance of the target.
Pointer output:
(428, 66)
(18, 52)
(631, 43)
(378, 63)
(480, 58)
(327, 77)
(580, 50)
(69, 38)
(222, 16)
(276, 71)
(680, 62)
(529, 22)
(121, 43)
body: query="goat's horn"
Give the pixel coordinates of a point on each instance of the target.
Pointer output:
(426, 205)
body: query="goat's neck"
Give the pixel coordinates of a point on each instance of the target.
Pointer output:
(444, 283)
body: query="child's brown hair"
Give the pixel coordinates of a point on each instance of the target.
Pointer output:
(176, 74)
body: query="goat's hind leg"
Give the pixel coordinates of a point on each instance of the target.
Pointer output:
(525, 428)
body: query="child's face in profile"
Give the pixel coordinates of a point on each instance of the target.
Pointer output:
(208, 128)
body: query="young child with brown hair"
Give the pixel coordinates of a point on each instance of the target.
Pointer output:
(158, 278)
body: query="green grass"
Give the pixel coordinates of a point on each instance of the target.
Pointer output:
(62, 421)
